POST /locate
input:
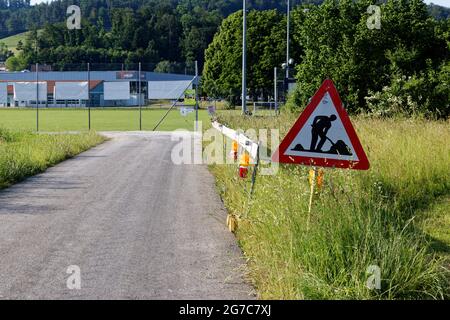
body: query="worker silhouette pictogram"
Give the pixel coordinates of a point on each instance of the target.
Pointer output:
(320, 128)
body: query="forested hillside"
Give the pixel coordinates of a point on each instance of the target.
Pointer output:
(125, 31)
(439, 12)
(17, 16)
(172, 32)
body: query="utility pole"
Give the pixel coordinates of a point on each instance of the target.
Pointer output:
(244, 59)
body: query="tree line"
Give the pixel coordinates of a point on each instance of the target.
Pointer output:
(403, 67)
(171, 31)
(17, 16)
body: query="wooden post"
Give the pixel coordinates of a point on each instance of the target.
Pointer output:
(312, 180)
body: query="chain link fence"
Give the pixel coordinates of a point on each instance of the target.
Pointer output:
(85, 96)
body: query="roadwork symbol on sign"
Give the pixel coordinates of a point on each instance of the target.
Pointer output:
(323, 136)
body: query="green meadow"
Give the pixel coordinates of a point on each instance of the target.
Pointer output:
(13, 41)
(60, 120)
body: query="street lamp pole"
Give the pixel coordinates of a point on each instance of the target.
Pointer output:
(244, 59)
(275, 83)
(288, 39)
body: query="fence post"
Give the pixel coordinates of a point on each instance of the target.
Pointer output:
(37, 97)
(139, 99)
(196, 95)
(89, 95)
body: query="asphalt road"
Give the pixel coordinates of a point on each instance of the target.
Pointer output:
(137, 226)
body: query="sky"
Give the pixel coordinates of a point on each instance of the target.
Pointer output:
(445, 3)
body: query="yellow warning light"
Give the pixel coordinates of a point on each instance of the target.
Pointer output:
(317, 178)
(235, 146)
(245, 160)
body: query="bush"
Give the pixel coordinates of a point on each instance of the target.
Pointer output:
(16, 63)
(427, 94)
(393, 100)
(397, 64)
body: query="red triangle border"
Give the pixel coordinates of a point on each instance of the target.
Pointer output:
(363, 163)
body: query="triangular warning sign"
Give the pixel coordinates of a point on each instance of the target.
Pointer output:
(323, 136)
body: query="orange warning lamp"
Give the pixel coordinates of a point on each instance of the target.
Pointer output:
(244, 164)
(316, 177)
(320, 179)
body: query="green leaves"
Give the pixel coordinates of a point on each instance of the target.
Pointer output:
(337, 43)
(265, 49)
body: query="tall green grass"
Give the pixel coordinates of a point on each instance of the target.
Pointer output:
(23, 154)
(360, 219)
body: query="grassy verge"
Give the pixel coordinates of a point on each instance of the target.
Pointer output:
(24, 154)
(394, 216)
(437, 227)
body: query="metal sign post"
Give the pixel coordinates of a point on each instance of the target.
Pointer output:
(255, 170)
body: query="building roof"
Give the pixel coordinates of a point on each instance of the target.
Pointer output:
(94, 75)
(51, 85)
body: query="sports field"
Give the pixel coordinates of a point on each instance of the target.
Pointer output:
(59, 120)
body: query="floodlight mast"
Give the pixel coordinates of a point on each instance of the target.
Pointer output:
(288, 38)
(244, 58)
